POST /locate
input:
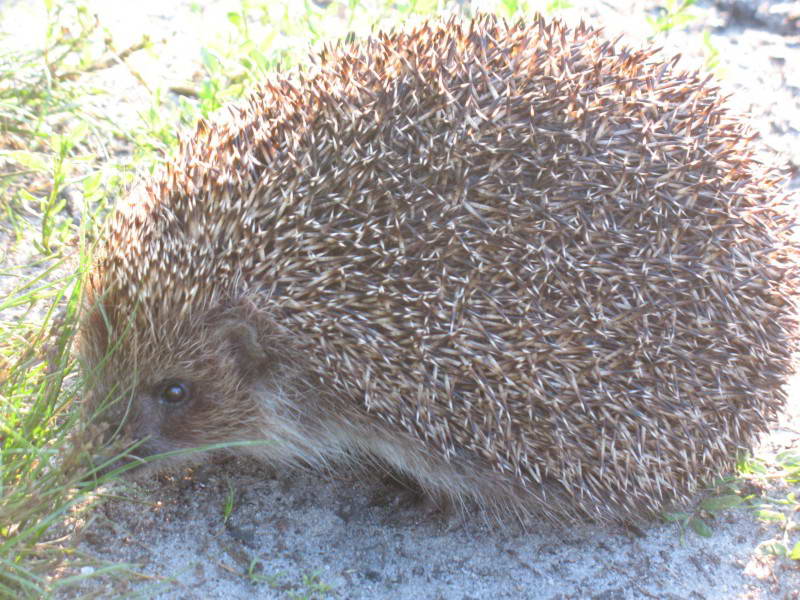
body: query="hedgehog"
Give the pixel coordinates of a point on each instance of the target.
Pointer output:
(532, 270)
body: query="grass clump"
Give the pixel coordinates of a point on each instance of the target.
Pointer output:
(48, 156)
(43, 446)
(673, 14)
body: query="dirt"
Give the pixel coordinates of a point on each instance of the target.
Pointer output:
(298, 534)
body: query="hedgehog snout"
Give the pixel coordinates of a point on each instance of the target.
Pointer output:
(125, 440)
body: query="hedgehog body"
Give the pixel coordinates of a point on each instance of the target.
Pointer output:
(517, 263)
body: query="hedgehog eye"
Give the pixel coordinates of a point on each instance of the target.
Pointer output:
(173, 392)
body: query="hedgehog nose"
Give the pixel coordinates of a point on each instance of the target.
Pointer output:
(120, 454)
(104, 465)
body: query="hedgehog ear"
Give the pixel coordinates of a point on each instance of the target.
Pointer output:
(244, 338)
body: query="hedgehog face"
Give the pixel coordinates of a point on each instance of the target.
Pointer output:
(162, 397)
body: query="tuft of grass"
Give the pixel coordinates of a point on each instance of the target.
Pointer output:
(724, 496)
(778, 505)
(712, 62)
(48, 155)
(310, 586)
(255, 574)
(765, 486)
(230, 497)
(517, 8)
(671, 15)
(46, 482)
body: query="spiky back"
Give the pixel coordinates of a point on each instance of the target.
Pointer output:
(515, 241)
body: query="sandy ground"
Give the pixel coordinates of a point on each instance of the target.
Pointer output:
(306, 535)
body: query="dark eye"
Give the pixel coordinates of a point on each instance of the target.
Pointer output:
(173, 392)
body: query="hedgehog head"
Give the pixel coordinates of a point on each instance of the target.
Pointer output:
(168, 335)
